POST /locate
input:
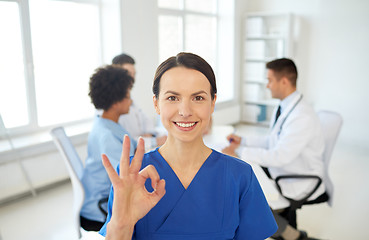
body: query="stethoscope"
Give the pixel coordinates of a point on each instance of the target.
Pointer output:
(284, 120)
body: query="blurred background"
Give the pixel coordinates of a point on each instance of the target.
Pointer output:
(50, 48)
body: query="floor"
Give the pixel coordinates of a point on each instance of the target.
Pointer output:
(47, 216)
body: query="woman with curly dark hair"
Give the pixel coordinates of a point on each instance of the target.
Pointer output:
(110, 89)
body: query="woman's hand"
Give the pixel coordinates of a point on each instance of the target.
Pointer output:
(132, 201)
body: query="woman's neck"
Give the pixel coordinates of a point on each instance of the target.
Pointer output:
(183, 154)
(185, 159)
(111, 115)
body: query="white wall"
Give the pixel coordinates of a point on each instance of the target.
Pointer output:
(332, 54)
(140, 40)
(42, 169)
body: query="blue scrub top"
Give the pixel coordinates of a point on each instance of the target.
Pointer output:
(223, 201)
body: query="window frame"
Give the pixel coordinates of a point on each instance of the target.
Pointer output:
(182, 12)
(25, 28)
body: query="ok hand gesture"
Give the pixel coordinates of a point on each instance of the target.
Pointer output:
(132, 201)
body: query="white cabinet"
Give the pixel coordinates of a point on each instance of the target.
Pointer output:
(266, 36)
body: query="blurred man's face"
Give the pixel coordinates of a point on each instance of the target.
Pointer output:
(275, 85)
(130, 68)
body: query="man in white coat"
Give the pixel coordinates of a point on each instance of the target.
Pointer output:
(295, 144)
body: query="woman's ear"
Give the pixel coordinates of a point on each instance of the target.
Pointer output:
(156, 104)
(213, 103)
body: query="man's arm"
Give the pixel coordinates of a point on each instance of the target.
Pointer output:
(292, 140)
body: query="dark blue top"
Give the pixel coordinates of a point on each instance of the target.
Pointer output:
(223, 201)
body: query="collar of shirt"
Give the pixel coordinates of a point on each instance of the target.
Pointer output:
(287, 101)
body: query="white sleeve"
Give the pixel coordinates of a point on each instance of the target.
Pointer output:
(148, 125)
(292, 140)
(255, 141)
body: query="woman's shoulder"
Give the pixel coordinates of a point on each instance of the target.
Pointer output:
(238, 174)
(152, 157)
(233, 165)
(105, 129)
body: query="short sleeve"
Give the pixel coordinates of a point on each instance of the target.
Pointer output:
(112, 146)
(110, 207)
(256, 218)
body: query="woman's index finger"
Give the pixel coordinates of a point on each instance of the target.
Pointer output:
(124, 159)
(137, 159)
(113, 175)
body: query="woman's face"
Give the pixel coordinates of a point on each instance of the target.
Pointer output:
(184, 103)
(124, 105)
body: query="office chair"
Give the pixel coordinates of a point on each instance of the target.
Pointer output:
(75, 170)
(331, 124)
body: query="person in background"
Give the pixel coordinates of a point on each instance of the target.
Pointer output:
(203, 194)
(136, 121)
(110, 89)
(295, 144)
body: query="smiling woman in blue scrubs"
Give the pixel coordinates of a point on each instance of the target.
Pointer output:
(192, 191)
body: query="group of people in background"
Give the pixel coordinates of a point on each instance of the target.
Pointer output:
(117, 115)
(193, 192)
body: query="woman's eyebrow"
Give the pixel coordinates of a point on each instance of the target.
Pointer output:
(193, 94)
(199, 92)
(171, 92)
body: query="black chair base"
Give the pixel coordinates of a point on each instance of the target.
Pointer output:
(90, 225)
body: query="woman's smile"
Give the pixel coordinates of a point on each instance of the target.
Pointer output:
(185, 126)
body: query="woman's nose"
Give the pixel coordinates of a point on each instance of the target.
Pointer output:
(185, 109)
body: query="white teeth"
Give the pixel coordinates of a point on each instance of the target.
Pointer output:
(185, 124)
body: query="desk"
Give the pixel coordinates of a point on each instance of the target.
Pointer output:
(217, 140)
(275, 199)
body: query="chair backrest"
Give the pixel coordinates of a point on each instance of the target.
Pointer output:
(75, 170)
(2, 128)
(331, 123)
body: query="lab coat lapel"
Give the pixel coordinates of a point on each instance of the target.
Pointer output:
(282, 118)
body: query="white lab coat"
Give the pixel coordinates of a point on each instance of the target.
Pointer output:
(137, 124)
(295, 145)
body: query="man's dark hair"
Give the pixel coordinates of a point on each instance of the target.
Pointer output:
(109, 85)
(123, 59)
(284, 67)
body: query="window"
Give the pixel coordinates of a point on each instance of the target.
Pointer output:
(66, 50)
(197, 27)
(13, 98)
(187, 26)
(49, 49)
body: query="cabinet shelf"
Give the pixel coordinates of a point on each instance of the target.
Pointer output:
(266, 36)
(261, 60)
(265, 102)
(250, 81)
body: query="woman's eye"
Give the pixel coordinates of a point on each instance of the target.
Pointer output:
(199, 98)
(172, 98)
